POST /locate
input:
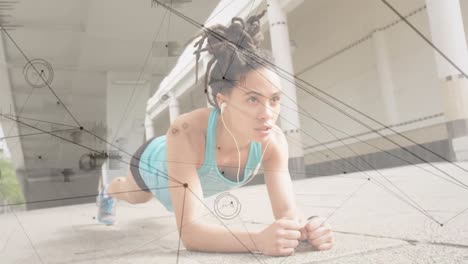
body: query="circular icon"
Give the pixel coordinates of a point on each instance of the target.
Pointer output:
(227, 206)
(38, 73)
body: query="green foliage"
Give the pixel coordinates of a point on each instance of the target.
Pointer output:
(9, 186)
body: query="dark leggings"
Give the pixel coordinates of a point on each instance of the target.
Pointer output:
(135, 163)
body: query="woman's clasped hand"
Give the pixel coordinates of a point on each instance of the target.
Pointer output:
(282, 237)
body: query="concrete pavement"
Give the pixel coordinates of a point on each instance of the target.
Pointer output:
(371, 224)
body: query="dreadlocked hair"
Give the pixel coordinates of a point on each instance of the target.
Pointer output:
(229, 46)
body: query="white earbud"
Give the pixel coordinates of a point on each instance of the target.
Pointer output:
(223, 105)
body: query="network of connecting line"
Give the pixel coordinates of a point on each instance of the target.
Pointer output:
(44, 73)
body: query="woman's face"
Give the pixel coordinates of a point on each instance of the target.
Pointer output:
(254, 104)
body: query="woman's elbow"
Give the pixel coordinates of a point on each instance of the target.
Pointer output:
(188, 245)
(189, 239)
(192, 245)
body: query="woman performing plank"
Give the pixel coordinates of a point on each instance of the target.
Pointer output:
(211, 150)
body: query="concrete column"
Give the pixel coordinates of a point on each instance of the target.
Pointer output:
(149, 128)
(7, 106)
(280, 44)
(447, 32)
(387, 88)
(174, 107)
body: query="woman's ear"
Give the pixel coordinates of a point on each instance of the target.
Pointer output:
(220, 98)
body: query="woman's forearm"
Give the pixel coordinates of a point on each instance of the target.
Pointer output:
(213, 238)
(295, 213)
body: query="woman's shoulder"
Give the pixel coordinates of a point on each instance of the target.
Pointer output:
(192, 124)
(188, 133)
(196, 119)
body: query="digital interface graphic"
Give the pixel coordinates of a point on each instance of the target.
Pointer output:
(266, 131)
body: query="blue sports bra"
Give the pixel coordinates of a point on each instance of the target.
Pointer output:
(153, 165)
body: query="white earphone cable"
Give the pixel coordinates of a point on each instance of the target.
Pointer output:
(235, 141)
